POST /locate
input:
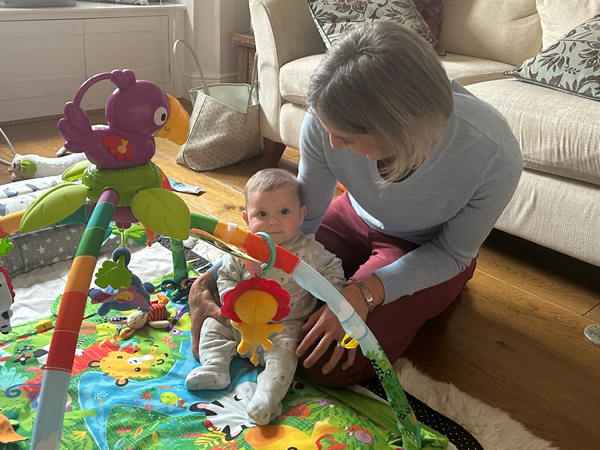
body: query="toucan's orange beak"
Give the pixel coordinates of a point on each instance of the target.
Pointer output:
(177, 126)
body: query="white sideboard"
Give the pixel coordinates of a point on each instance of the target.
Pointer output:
(47, 53)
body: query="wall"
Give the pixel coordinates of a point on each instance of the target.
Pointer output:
(209, 26)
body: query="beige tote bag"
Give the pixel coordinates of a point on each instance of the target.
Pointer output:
(224, 127)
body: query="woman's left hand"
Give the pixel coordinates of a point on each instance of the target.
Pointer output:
(323, 328)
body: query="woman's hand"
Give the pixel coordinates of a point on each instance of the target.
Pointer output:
(323, 328)
(202, 305)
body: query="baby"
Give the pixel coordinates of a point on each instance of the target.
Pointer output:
(273, 206)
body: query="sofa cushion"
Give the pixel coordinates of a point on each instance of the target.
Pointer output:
(558, 133)
(295, 75)
(433, 13)
(571, 64)
(333, 17)
(557, 213)
(507, 31)
(292, 115)
(294, 78)
(468, 70)
(557, 17)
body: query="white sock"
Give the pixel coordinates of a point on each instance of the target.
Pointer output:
(207, 377)
(262, 407)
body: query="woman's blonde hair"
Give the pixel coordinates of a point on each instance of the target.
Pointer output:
(271, 179)
(384, 80)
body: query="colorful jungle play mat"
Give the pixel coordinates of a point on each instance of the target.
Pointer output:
(130, 394)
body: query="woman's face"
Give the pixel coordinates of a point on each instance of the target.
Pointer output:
(361, 144)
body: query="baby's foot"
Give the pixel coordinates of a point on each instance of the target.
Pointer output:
(261, 408)
(207, 378)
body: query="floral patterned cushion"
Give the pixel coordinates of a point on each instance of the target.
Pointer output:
(432, 12)
(333, 17)
(571, 64)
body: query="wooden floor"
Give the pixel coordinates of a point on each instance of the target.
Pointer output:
(514, 338)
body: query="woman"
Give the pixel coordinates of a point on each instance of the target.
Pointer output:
(428, 169)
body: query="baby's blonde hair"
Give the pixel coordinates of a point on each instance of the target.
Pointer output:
(384, 80)
(271, 179)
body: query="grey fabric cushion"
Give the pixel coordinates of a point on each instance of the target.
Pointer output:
(571, 64)
(41, 248)
(12, 191)
(333, 17)
(36, 3)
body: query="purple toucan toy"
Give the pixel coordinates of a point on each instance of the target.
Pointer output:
(135, 112)
(118, 161)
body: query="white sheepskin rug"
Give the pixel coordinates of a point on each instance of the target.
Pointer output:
(493, 428)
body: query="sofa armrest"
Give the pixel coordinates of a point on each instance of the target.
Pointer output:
(283, 31)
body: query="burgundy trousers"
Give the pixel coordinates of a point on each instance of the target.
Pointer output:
(362, 250)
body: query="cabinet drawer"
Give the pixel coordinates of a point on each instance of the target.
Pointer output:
(133, 43)
(40, 58)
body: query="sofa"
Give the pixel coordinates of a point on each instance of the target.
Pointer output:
(557, 202)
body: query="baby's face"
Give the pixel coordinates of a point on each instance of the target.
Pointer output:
(277, 213)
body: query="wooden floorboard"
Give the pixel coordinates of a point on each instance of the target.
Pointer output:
(594, 314)
(514, 337)
(549, 393)
(552, 276)
(557, 328)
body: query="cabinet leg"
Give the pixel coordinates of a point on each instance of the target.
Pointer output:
(273, 151)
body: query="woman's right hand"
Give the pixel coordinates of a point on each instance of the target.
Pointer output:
(202, 304)
(323, 328)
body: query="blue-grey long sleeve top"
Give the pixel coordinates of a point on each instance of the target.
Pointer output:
(448, 205)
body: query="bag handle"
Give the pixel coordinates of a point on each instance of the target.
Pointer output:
(254, 82)
(204, 86)
(6, 163)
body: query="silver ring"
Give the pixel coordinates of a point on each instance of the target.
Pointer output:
(339, 344)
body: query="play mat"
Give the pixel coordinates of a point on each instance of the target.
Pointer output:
(142, 402)
(130, 394)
